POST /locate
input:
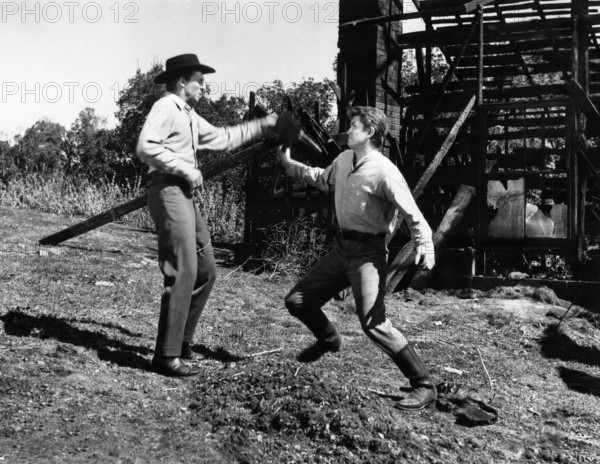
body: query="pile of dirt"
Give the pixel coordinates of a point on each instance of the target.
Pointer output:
(275, 408)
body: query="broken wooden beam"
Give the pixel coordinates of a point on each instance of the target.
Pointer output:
(590, 166)
(468, 7)
(452, 218)
(424, 180)
(318, 133)
(404, 261)
(582, 98)
(113, 214)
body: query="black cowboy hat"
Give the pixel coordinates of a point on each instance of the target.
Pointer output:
(180, 64)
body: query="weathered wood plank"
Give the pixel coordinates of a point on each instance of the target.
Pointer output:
(443, 150)
(582, 99)
(452, 218)
(550, 133)
(446, 8)
(112, 214)
(95, 221)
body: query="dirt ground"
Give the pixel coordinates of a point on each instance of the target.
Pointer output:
(77, 327)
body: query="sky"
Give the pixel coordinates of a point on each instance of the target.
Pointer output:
(60, 57)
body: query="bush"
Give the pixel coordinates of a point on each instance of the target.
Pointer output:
(78, 196)
(292, 247)
(72, 196)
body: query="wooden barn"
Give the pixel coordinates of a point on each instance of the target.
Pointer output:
(497, 137)
(513, 118)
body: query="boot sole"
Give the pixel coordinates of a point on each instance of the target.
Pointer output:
(417, 407)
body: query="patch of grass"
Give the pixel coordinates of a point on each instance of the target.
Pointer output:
(72, 196)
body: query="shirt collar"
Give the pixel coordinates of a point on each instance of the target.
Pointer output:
(178, 100)
(365, 158)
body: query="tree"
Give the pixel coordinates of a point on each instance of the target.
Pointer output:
(42, 148)
(303, 95)
(7, 163)
(135, 101)
(89, 149)
(410, 76)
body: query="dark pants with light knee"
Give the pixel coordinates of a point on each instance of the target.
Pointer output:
(363, 266)
(187, 262)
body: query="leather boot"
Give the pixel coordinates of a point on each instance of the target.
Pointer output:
(424, 392)
(328, 341)
(172, 366)
(189, 355)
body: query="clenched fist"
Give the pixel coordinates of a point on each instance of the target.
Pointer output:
(195, 179)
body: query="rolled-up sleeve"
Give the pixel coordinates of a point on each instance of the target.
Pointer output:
(320, 178)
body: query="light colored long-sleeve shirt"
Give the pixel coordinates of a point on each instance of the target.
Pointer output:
(367, 196)
(173, 132)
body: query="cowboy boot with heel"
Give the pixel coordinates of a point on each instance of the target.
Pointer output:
(424, 392)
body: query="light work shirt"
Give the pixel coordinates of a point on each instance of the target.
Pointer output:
(173, 132)
(367, 196)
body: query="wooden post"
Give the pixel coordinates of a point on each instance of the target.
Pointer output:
(480, 58)
(249, 215)
(451, 219)
(580, 70)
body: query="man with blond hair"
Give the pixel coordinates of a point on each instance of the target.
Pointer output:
(369, 191)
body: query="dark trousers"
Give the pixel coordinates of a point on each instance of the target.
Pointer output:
(361, 264)
(187, 262)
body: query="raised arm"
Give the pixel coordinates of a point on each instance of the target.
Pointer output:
(230, 137)
(323, 179)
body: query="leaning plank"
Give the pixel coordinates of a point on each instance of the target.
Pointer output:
(95, 221)
(451, 219)
(591, 167)
(112, 214)
(424, 180)
(405, 258)
(582, 98)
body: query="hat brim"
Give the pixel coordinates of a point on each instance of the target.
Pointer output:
(165, 76)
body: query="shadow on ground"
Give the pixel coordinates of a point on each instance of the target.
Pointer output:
(19, 323)
(219, 354)
(580, 381)
(557, 345)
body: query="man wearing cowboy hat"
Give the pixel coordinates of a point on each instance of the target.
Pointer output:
(171, 136)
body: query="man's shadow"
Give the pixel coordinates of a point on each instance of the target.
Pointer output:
(218, 354)
(557, 345)
(18, 323)
(580, 381)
